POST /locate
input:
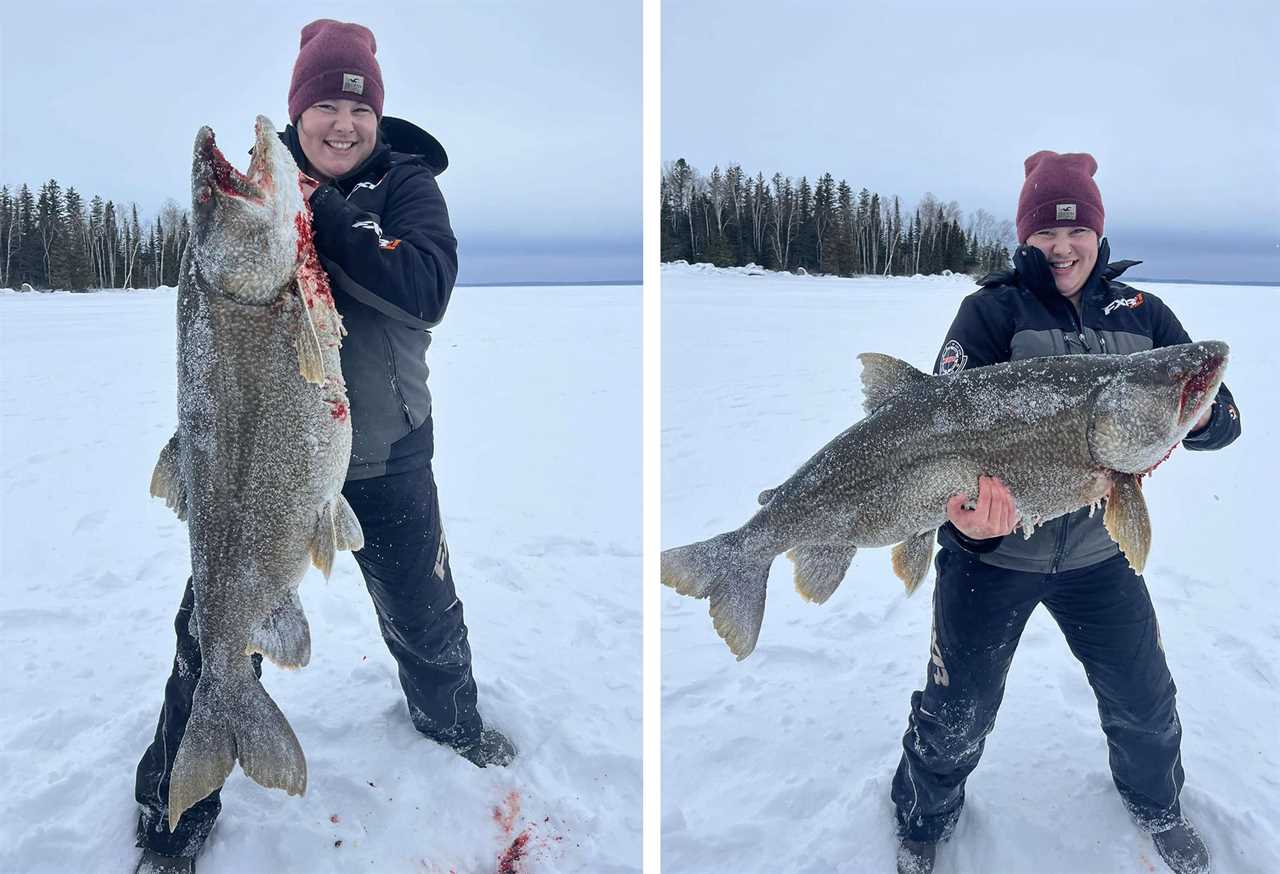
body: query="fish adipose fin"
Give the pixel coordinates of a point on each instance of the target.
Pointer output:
(166, 482)
(911, 558)
(310, 353)
(1126, 519)
(233, 717)
(883, 376)
(766, 496)
(820, 568)
(284, 636)
(733, 579)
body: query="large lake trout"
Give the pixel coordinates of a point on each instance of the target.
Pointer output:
(1062, 433)
(258, 461)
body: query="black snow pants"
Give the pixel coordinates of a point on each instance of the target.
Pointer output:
(979, 612)
(405, 563)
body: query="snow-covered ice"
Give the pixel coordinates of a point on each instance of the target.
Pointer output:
(783, 762)
(536, 395)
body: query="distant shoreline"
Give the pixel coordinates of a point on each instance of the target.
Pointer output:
(1275, 283)
(548, 283)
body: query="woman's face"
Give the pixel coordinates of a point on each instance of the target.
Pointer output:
(1071, 253)
(337, 135)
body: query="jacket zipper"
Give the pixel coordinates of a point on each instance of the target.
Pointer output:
(1062, 544)
(395, 380)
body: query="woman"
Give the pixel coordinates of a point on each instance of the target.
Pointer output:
(382, 233)
(1062, 298)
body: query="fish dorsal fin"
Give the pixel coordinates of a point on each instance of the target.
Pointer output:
(883, 376)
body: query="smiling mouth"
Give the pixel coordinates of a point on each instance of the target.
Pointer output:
(340, 146)
(1063, 266)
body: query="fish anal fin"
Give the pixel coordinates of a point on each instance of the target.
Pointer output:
(324, 541)
(166, 479)
(819, 568)
(1127, 521)
(346, 527)
(883, 376)
(911, 558)
(284, 636)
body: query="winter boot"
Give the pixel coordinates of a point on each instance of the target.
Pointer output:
(156, 863)
(1182, 849)
(491, 748)
(916, 857)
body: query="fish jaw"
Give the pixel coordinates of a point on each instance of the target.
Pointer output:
(1152, 402)
(246, 229)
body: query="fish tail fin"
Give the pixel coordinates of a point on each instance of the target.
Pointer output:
(233, 719)
(734, 580)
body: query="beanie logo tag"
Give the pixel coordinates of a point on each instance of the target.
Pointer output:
(353, 83)
(1066, 212)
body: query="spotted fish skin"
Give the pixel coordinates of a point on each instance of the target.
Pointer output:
(1062, 433)
(257, 464)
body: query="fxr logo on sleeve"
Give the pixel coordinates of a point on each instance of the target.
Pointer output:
(383, 243)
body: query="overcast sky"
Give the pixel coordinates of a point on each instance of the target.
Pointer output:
(1178, 102)
(537, 103)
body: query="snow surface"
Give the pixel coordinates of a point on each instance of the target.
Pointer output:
(536, 396)
(783, 762)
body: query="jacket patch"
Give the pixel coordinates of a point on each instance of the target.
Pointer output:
(1129, 303)
(953, 358)
(442, 555)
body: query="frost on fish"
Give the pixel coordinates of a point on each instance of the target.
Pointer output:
(260, 454)
(1062, 433)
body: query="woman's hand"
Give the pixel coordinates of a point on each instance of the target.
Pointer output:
(993, 516)
(308, 184)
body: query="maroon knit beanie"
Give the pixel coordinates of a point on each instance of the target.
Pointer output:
(336, 60)
(1059, 191)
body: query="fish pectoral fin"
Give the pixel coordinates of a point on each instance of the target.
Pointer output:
(284, 636)
(310, 353)
(883, 376)
(166, 481)
(1127, 521)
(820, 567)
(324, 541)
(911, 558)
(347, 531)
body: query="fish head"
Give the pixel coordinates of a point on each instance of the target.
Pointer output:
(1152, 401)
(247, 227)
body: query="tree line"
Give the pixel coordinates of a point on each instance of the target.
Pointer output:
(732, 219)
(56, 240)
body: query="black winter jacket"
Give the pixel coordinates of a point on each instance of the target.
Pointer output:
(382, 233)
(1019, 314)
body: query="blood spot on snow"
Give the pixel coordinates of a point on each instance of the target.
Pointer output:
(334, 818)
(505, 814)
(508, 862)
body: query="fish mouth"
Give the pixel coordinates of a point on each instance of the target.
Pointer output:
(1202, 382)
(213, 175)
